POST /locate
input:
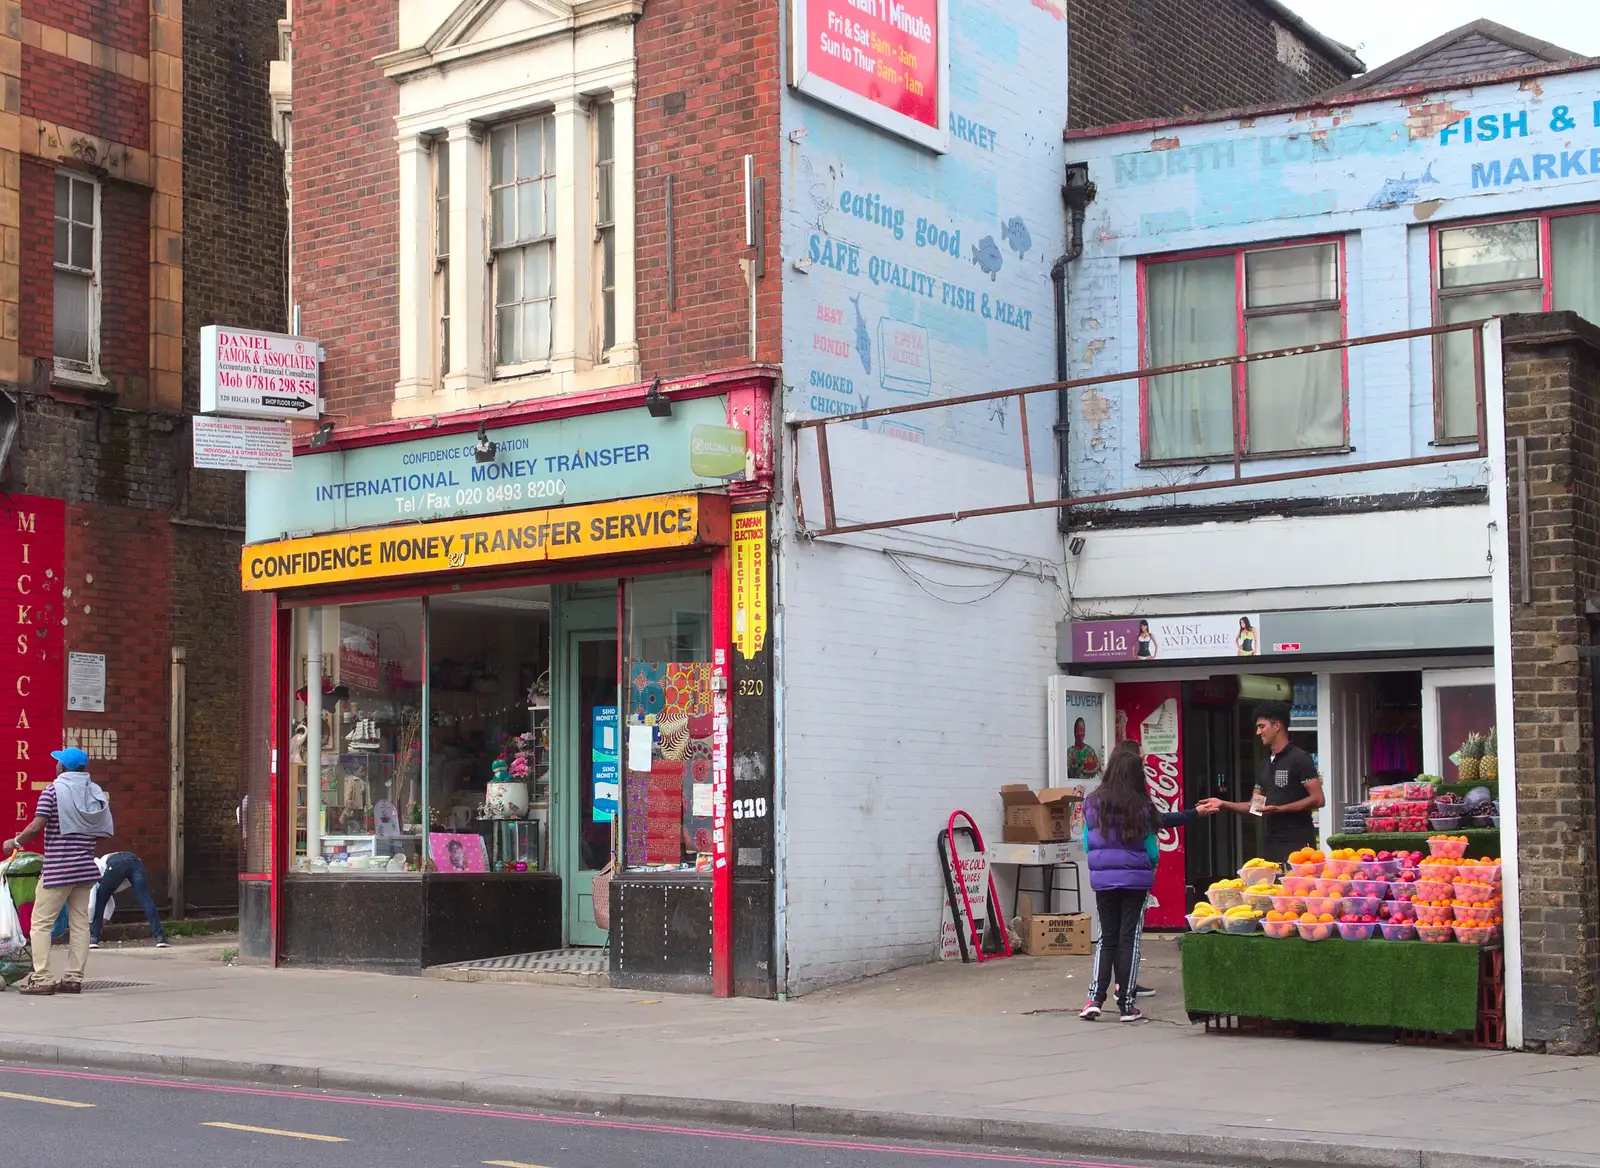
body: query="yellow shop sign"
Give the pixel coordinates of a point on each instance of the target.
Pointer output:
(617, 527)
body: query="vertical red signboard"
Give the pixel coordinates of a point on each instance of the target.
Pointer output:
(33, 534)
(1151, 714)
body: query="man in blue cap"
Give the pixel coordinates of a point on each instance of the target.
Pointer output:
(73, 812)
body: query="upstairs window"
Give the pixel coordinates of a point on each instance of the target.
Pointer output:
(605, 219)
(1533, 264)
(522, 212)
(441, 251)
(77, 274)
(1249, 301)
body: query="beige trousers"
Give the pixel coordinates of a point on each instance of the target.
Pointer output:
(47, 904)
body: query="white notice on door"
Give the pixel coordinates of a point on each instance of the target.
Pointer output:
(86, 682)
(640, 739)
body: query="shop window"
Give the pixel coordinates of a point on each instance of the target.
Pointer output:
(605, 219)
(489, 730)
(77, 275)
(441, 250)
(1488, 269)
(522, 209)
(666, 788)
(1249, 301)
(358, 805)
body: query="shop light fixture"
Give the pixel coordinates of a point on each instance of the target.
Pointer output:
(659, 405)
(484, 450)
(1075, 545)
(322, 436)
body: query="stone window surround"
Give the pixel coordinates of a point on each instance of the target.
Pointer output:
(576, 363)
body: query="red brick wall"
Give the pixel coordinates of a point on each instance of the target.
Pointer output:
(82, 97)
(118, 564)
(346, 213)
(36, 317)
(709, 85)
(122, 24)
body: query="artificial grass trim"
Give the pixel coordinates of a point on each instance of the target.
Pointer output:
(1407, 985)
(1481, 841)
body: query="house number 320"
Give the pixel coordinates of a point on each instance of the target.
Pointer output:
(749, 808)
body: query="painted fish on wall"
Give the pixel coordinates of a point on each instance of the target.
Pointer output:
(863, 337)
(986, 254)
(1400, 190)
(1015, 231)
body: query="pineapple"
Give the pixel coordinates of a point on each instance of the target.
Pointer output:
(1471, 758)
(1489, 769)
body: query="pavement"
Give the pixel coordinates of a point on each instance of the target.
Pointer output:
(990, 1055)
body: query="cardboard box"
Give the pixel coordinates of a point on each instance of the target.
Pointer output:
(1055, 934)
(1034, 817)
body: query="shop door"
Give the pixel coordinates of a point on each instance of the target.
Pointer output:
(1345, 709)
(583, 841)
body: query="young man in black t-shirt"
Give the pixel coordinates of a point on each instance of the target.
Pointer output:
(1287, 786)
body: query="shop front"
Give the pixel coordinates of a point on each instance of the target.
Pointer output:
(1387, 701)
(502, 724)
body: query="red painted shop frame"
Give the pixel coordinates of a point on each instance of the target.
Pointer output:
(714, 558)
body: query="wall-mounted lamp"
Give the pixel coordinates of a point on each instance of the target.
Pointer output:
(1075, 545)
(323, 435)
(483, 450)
(659, 405)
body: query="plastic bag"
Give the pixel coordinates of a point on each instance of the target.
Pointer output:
(12, 940)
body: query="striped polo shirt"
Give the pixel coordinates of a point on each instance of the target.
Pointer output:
(68, 859)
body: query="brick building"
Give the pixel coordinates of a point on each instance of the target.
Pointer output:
(509, 219)
(145, 202)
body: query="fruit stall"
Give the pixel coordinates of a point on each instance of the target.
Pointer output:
(1387, 936)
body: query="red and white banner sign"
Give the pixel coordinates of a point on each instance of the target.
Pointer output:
(33, 555)
(882, 60)
(1150, 711)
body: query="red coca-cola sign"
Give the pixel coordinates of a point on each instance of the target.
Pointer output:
(1149, 713)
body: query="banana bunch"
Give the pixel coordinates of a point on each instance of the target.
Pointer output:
(1205, 908)
(1244, 912)
(1234, 883)
(1266, 889)
(1258, 862)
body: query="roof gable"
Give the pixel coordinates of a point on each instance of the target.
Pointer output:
(1473, 50)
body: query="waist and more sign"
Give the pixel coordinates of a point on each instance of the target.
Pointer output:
(659, 523)
(619, 454)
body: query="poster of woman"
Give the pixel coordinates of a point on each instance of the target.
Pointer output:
(457, 852)
(1247, 642)
(1082, 761)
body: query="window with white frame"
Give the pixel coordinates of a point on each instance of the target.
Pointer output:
(522, 211)
(605, 219)
(77, 274)
(1531, 264)
(441, 252)
(1252, 300)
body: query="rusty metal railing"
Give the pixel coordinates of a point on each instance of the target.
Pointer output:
(832, 526)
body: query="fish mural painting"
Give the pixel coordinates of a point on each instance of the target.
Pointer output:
(1015, 232)
(1401, 190)
(863, 337)
(986, 254)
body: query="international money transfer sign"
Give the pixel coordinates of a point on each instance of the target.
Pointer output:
(245, 373)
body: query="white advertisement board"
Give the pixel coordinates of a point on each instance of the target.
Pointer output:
(240, 444)
(250, 374)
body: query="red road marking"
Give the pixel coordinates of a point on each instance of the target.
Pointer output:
(566, 1121)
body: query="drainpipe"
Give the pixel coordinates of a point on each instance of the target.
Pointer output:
(1077, 193)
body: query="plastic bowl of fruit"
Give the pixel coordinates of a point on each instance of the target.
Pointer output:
(1399, 910)
(1357, 930)
(1475, 914)
(1475, 934)
(1383, 824)
(1241, 925)
(1315, 930)
(1476, 893)
(1330, 886)
(1299, 885)
(1369, 887)
(1482, 872)
(1289, 903)
(1209, 923)
(1278, 930)
(1399, 930)
(1262, 873)
(1435, 890)
(1448, 847)
(1262, 901)
(1359, 906)
(1380, 869)
(1342, 869)
(1403, 889)
(1435, 933)
(1222, 899)
(1319, 905)
(1313, 869)
(1434, 914)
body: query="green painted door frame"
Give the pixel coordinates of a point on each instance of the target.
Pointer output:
(579, 613)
